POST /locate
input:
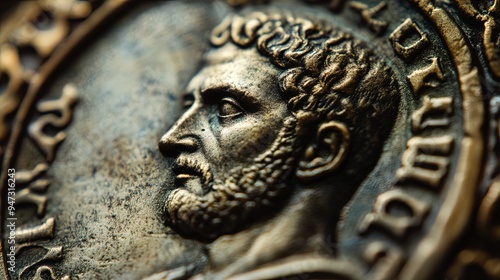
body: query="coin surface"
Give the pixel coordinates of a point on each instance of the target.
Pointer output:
(281, 139)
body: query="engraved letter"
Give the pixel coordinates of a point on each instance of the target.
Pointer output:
(367, 14)
(397, 225)
(419, 163)
(406, 30)
(31, 194)
(43, 231)
(52, 253)
(441, 104)
(26, 177)
(420, 78)
(27, 196)
(47, 143)
(57, 27)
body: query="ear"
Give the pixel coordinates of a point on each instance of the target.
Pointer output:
(325, 153)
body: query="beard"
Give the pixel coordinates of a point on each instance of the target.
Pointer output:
(245, 194)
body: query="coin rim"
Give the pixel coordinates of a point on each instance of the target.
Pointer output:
(451, 219)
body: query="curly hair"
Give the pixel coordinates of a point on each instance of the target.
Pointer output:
(327, 74)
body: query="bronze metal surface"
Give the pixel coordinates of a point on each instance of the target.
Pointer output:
(280, 139)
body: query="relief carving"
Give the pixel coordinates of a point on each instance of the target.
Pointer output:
(425, 76)
(42, 30)
(402, 34)
(314, 96)
(368, 15)
(289, 121)
(421, 118)
(64, 107)
(425, 159)
(490, 19)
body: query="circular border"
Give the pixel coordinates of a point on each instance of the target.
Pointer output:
(95, 19)
(451, 219)
(456, 209)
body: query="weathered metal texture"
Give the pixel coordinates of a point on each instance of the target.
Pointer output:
(250, 140)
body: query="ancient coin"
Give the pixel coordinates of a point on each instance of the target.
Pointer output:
(239, 139)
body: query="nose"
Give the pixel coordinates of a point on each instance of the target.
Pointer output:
(180, 138)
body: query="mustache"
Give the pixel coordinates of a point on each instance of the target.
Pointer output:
(184, 165)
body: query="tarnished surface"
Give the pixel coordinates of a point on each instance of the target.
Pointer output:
(250, 139)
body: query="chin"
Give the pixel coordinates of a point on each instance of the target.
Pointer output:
(192, 184)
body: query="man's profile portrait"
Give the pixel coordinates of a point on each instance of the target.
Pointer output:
(286, 118)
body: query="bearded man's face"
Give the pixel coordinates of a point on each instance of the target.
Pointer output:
(233, 146)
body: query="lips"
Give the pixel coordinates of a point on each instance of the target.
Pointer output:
(186, 176)
(186, 169)
(185, 172)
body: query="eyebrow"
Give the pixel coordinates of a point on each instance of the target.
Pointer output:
(210, 92)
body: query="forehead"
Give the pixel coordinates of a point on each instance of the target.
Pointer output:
(230, 66)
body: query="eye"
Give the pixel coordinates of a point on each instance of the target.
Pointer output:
(229, 109)
(187, 101)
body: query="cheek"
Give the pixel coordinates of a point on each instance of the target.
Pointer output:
(247, 139)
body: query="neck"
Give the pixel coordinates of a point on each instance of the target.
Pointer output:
(298, 228)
